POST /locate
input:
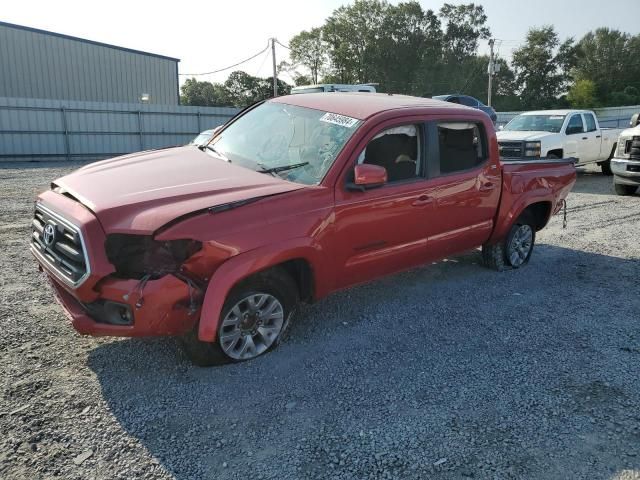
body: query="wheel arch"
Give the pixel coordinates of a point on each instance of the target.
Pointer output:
(299, 259)
(539, 208)
(558, 152)
(539, 212)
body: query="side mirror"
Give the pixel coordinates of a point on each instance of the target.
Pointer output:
(501, 127)
(368, 176)
(635, 120)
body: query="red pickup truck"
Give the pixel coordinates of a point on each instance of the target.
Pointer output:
(293, 199)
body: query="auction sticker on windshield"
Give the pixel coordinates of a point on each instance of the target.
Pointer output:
(341, 120)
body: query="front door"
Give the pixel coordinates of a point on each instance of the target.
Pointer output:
(384, 230)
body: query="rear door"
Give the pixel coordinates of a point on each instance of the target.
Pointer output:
(466, 183)
(575, 143)
(591, 139)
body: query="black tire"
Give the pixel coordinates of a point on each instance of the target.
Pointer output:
(276, 282)
(606, 168)
(606, 165)
(497, 256)
(624, 190)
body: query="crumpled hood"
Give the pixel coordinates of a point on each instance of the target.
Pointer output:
(514, 136)
(144, 191)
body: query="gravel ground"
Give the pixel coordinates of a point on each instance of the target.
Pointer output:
(448, 371)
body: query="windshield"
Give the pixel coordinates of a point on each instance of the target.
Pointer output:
(298, 144)
(536, 123)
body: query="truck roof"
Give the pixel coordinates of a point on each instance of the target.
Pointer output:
(362, 105)
(556, 112)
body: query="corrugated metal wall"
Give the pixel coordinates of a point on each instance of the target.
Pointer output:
(33, 129)
(37, 64)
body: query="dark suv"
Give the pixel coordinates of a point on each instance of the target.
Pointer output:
(469, 102)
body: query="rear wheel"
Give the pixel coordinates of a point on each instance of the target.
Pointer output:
(515, 250)
(625, 189)
(519, 245)
(254, 318)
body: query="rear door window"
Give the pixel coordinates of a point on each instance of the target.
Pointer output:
(461, 146)
(591, 122)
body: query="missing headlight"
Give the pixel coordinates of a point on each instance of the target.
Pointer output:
(137, 256)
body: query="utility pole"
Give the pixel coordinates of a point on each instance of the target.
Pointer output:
(491, 71)
(275, 74)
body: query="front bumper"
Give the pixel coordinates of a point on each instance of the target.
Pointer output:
(627, 172)
(163, 306)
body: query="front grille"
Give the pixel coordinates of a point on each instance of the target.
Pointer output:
(59, 243)
(511, 149)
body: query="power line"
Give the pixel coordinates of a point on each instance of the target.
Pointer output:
(229, 67)
(283, 45)
(264, 59)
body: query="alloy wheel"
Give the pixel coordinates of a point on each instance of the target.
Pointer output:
(251, 326)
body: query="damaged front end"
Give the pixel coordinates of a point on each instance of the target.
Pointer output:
(150, 292)
(119, 284)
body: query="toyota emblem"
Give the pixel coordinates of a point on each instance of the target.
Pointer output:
(49, 234)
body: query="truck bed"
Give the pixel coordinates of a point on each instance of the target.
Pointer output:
(526, 182)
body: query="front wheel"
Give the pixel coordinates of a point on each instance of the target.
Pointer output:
(606, 167)
(515, 250)
(254, 318)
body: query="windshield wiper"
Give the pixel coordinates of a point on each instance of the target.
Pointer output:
(220, 154)
(281, 168)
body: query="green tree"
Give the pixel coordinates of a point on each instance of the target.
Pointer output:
(465, 25)
(459, 69)
(582, 94)
(351, 32)
(309, 50)
(244, 89)
(605, 58)
(540, 68)
(408, 48)
(204, 94)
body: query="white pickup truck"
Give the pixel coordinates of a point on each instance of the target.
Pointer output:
(559, 134)
(626, 162)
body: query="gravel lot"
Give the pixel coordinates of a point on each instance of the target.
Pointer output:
(448, 371)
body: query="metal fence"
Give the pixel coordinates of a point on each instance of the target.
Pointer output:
(35, 129)
(611, 117)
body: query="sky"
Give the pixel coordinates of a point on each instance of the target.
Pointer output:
(208, 35)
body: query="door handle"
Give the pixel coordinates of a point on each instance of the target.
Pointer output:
(597, 136)
(422, 200)
(585, 138)
(486, 186)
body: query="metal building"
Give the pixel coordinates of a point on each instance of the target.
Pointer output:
(40, 64)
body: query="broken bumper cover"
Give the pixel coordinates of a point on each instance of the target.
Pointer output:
(164, 308)
(102, 304)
